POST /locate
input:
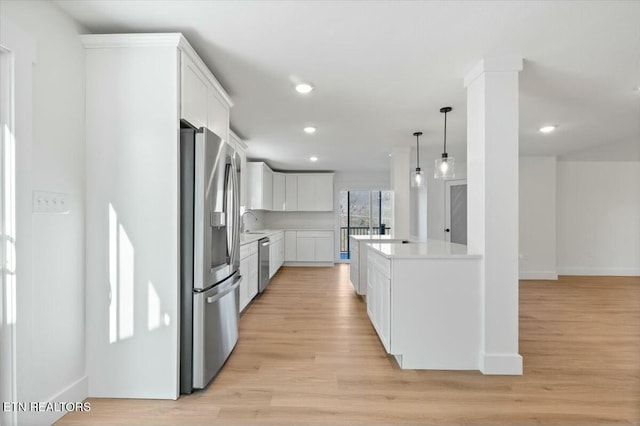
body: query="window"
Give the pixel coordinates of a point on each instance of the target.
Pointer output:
(363, 213)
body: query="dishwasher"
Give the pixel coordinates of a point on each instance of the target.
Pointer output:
(263, 262)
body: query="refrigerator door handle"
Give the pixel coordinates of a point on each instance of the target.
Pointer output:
(236, 283)
(236, 207)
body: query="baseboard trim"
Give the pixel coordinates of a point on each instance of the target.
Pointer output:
(501, 364)
(309, 264)
(620, 272)
(74, 393)
(538, 275)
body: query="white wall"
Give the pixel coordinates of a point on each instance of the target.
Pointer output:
(50, 306)
(538, 218)
(598, 218)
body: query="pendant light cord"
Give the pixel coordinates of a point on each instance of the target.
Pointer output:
(445, 132)
(417, 152)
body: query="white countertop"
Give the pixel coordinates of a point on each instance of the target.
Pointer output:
(374, 238)
(431, 249)
(246, 238)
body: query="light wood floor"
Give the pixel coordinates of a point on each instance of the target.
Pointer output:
(307, 354)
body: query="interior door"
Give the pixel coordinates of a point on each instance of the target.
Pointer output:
(456, 211)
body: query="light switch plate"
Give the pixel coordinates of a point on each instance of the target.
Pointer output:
(50, 202)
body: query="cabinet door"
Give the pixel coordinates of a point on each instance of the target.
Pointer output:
(280, 253)
(217, 114)
(273, 249)
(290, 246)
(354, 263)
(324, 193)
(244, 283)
(371, 295)
(306, 192)
(306, 249)
(193, 93)
(385, 312)
(267, 188)
(278, 191)
(291, 193)
(324, 249)
(252, 288)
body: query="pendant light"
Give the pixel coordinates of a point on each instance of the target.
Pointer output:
(417, 177)
(444, 168)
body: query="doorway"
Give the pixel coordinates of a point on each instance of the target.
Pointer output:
(455, 215)
(363, 213)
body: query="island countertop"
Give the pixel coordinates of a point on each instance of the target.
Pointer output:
(429, 249)
(376, 238)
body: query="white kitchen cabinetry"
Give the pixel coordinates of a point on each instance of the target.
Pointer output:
(218, 115)
(314, 246)
(240, 147)
(279, 192)
(249, 273)
(358, 258)
(202, 102)
(315, 192)
(276, 253)
(260, 186)
(194, 94)
(425, 304)
(290, 246)
(379, 297)
(291, 192)
(160, 80)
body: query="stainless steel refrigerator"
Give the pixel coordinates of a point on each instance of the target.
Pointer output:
(209, 255)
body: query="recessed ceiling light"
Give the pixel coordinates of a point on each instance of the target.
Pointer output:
(547, 129)
(310, 129)
(313, 158)
(304, 88)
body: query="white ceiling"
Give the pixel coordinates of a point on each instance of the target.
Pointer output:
(383, 69)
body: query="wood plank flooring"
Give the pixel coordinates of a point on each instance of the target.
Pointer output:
(307, 354)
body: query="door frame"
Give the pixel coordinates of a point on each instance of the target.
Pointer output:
(447, 204)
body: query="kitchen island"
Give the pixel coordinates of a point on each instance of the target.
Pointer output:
(424, 302)
(358, 258)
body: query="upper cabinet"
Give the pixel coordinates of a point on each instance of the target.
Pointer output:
(302, 192)
(260, 186)
(315, 192)
(291, 192)
(194, 94)
(203, 102)
(278, 192)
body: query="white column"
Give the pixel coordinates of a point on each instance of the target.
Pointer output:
(400, 183)
(492, 191)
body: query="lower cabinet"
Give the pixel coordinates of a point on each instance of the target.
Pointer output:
(276, 253)
(249, 273)
(314, 246)
(379, 298)
(290, 246)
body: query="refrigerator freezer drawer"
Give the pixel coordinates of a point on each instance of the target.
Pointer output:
(215, 329)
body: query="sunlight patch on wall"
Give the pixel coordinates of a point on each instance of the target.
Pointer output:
(121, 280)
(153, 307)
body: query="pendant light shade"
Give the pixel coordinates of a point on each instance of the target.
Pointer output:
(445, 166)
(417, 177)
